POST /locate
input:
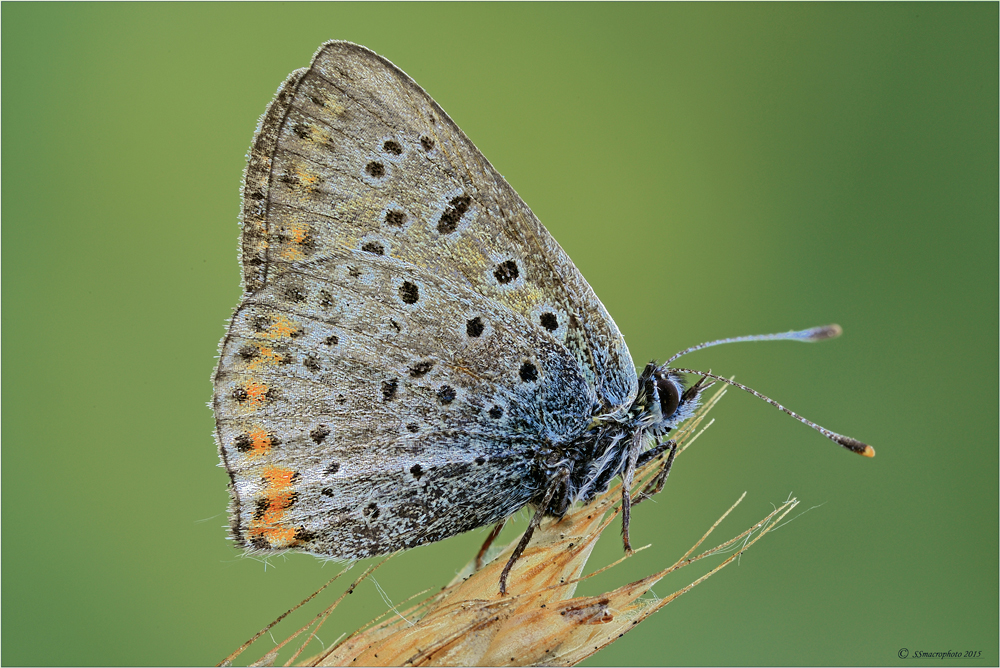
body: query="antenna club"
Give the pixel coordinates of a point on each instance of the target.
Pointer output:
(825, 332)
(855, 445)
(852, 444)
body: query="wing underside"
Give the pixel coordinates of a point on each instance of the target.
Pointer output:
(410, 339)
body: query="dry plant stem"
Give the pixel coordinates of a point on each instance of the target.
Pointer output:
(324, 614)
(633, 613)
(321, 617)
(414, 612)
(229, 659)
(685, 435)
(469, 611)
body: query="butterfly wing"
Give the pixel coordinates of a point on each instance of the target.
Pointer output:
(411, 339)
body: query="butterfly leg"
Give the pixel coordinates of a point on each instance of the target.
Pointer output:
(652, 453)
(655, 485)
(556, 482)
(489, 541)
(627, 475)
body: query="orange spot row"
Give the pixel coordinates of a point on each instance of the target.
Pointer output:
(279, 497)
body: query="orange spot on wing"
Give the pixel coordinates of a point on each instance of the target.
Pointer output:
(277, 537)
(267, 357)
(256, 394)
(299, 233)
(278, 478)
(271, 525)
(260, 442)
(276, 510)
(281, 326)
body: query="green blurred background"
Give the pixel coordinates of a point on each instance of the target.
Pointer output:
(713, 169)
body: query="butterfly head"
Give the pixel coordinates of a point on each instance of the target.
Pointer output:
(664, 399)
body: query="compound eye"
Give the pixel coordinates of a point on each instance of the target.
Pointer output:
(670, 395)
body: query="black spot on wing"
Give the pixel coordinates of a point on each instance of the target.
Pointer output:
(294, 293)
(303, 535)
(528, 372)
(395, 218)
(311, 362)
(474, 327)
(389, 388)
(409, 293)
(421, 368)
(506, 272)
(373, 247)
(446, 394)
(453, 214)
(260, 507)
(319, 434)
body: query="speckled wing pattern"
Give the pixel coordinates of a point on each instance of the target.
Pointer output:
(410, 336)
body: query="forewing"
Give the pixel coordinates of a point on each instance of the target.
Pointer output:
(410, 338)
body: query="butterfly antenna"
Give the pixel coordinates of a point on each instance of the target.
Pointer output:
(812, 334)
(851, 444)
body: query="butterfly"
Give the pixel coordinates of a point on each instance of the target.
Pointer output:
(414, 355)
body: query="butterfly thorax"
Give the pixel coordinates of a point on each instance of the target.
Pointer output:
(602, 451)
